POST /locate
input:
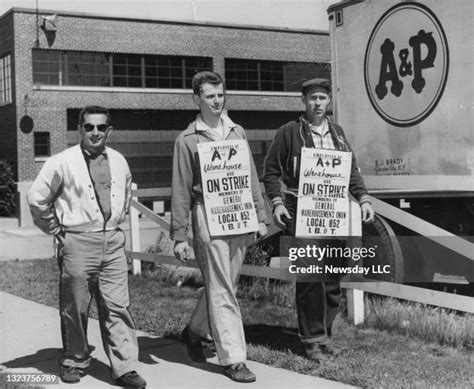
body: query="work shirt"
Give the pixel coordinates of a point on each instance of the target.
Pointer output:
(218, 133)
(99, 171)
(63, 196)
(322, 137)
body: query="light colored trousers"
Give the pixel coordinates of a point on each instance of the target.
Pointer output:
(217, 313)
(94, 265)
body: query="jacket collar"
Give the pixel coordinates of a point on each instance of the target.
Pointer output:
(227, 123)
(305, 133)
(89, 155)
(196, 127)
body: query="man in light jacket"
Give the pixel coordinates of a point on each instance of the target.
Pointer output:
(80, 196)
(217, 314)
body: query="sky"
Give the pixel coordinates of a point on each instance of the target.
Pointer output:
(300, 14)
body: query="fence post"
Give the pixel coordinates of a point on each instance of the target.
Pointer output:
(355, 305)
(135, 234)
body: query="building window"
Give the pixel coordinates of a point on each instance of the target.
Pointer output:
(173, 72)
(52, 67)
(5, 80)
(271, 76)
(42, 145)
(86, 69)
(47, 67)
(127, 70)
(242, 74)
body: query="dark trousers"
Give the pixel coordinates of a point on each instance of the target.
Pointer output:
(317, 303)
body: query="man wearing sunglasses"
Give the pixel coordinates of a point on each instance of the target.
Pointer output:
(81, 196)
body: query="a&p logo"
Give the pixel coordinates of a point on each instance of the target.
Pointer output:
(406, 64)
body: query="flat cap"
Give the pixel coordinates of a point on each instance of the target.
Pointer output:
(324, 82)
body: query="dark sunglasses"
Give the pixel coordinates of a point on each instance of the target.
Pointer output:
(90, 127)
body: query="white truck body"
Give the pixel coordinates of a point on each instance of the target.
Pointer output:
(402, 87)
(403, 92)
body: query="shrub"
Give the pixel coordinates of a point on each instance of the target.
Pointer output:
(7, 190)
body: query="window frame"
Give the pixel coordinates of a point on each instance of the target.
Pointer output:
(272, 76)
(6, 88)
(176, 74)
(46, 144)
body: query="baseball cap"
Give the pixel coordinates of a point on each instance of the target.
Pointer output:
(324, 82)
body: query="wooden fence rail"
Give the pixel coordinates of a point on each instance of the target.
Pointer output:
(355, 290)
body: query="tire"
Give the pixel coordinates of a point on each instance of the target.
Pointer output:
(388, 250)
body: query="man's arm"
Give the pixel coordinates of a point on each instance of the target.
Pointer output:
(272, 172)
(181, 191)
(42, 195)
(128, 188)
(255, 185)
(273, 165)
(257, 197)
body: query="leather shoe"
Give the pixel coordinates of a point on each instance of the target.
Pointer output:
(130, 380)
(239, 373)
(194, 346)
(314, 354)
(329, 349)
(209, 345)
(318, 351)
(70, 374)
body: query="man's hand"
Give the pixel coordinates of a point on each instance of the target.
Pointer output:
(262, 230)
(58, 246)
(182, 251)
(367, 212)
(278, 212)
(60, 237)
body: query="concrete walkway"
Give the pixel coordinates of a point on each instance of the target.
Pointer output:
(31, 342)
(30, 335)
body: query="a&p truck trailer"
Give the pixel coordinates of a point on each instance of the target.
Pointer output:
(403, 80)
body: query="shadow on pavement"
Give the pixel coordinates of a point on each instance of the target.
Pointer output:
(46, 361)
(171, 350)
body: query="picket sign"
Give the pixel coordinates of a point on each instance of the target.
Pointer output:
(355, 290)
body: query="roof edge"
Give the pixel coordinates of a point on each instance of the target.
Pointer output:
(164, 21)
(342, 4)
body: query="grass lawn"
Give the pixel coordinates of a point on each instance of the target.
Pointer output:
(370, 357)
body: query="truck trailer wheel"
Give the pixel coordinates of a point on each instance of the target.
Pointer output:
(388, 252)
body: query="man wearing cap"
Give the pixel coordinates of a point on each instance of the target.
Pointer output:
(81, 196)
(317, 302)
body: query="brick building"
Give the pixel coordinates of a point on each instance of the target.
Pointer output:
(141, 70)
